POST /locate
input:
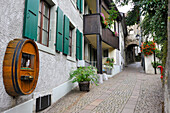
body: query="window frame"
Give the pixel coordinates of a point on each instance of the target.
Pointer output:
(70, 40)
(40, 28)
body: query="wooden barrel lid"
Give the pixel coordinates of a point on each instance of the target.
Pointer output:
(21, 67)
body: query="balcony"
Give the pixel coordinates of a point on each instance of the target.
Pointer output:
(92, 27)
(92, 24)
(109, 38)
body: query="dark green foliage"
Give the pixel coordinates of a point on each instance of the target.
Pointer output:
(133, 17)
(109, 62)
(156, 64)
(112, 15)
(159, 54)
(84, 74)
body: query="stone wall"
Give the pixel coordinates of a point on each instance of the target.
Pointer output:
(54, 67)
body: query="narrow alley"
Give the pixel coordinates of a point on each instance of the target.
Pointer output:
(131, 91)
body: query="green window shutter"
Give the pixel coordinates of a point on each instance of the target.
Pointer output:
(59, 34)
(66, 35)
(78, 4)
(31, 19)
(78, 44)
(81, 6)
(81, 46)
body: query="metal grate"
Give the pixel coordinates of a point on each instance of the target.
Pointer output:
(43, 102)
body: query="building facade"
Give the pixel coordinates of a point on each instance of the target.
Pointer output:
(62, 33)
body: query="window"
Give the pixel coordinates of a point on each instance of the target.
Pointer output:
(70, 40)
(27, 61)
(43, 23)
(105, 53)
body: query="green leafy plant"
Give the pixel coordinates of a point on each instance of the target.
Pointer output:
(109, 62)
(156, 64)
(113, 14)
(158, 54)
(84, 74)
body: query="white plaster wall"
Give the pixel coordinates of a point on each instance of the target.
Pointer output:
(71, 11)
(122, 52)
(148, 66)
(111, 53)
(116, 69)
(11, 25)
(54, 67)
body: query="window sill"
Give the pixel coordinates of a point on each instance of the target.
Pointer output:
(74, 4)
(45, 49)
(71, 59)
(81, 15)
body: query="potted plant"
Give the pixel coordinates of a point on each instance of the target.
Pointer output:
(115, 34)
(109, 65)
(84, 75)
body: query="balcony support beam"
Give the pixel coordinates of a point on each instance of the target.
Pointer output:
(98, 6)
(99, 54)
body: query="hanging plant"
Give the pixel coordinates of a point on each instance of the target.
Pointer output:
(103, 21)
(115, 34)
(148, 48)
(113, 14)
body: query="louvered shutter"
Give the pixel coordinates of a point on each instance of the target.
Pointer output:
(66, 35)
(81, 6)
(81, 47)
(77, 44)
(59, 34)
(31, 19)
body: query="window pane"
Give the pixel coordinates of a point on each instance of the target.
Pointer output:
(70, 33)
(45, 23)
(38, 35)
(70, 46)
(44, 37)
(46, 10)
(39, 19)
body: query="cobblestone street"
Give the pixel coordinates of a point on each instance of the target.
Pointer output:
(131, 91)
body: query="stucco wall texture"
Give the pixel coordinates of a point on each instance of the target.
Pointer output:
(54, 69)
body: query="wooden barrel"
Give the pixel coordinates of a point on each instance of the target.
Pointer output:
(21, 67)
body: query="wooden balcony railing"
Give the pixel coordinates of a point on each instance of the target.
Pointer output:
(109, 38)
(92, 24)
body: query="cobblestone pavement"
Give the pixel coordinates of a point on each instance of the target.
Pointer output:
(130, 91)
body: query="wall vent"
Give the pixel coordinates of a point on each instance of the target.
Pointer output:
(43, 102)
